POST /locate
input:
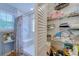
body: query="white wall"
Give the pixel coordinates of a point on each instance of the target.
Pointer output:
(7, 8)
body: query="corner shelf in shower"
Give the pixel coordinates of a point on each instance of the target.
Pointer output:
(61, 41)
(72, 14)
(61, 6)
(74, 29)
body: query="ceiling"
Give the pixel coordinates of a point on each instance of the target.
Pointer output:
(24, 7)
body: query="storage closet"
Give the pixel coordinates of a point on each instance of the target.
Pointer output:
(63, 29)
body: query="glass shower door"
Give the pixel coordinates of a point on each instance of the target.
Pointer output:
(28, 35)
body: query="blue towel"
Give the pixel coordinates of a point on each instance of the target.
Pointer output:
(58, 34)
